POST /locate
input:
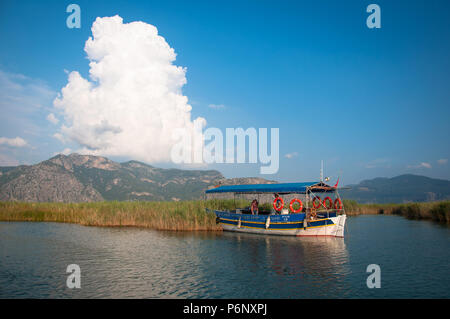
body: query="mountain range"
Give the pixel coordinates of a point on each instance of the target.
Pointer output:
(87, 178)
(399, 189)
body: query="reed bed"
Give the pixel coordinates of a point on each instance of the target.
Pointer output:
(184, 215)
(435, 211)
(177, 216)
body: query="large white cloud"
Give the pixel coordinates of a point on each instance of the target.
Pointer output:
(132, 104)
(13, 142)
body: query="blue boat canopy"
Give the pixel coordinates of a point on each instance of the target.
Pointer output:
(282, 188)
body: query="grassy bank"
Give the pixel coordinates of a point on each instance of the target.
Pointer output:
(185, 215)
(178, 216)
(436, 211)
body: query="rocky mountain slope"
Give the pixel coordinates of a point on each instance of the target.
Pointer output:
(85, 178)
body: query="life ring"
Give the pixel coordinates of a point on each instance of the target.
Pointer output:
(292, 203)
(338, 204)
(314, 202)
(275, 204)
(329, 200)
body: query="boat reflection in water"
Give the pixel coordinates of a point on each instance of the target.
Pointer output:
(297, 268)
(140, 263)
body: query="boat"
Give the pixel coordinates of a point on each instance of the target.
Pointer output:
(305, 214)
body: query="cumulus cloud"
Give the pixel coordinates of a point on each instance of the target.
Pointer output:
(442, 161)
(13, 142)
(52, 118)
(59, 137)
(421, 165)
(132, 105)
(426, 165)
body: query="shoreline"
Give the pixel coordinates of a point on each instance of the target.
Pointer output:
(434, 211)
(165, 216)
(186, 215)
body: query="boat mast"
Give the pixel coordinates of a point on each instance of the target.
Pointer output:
(321, 171)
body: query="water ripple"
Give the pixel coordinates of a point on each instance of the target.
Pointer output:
(141, 263)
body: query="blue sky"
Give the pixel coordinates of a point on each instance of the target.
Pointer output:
(369, 102)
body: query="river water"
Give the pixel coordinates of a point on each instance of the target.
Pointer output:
(413, 256)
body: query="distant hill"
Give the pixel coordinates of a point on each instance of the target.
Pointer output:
(85, 178)
(399, 189)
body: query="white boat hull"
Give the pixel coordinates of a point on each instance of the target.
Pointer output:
(334, 229)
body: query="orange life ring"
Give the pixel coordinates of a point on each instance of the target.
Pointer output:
(292, 203)
(275, 204)
(330, 201)
(338, 204)
(314, 202)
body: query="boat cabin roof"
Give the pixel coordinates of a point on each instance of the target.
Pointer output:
(281, 188)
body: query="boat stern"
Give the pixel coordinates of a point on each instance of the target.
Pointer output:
(340, 225)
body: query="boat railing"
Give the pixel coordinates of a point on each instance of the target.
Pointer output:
(307, 211)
